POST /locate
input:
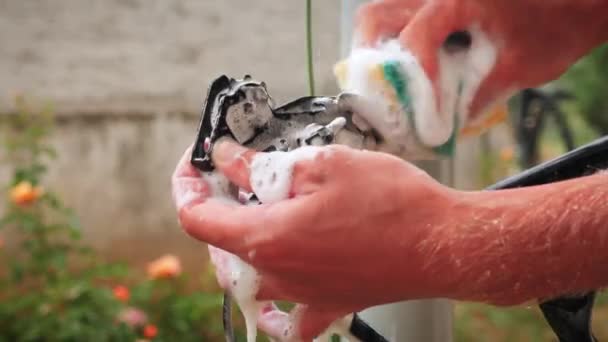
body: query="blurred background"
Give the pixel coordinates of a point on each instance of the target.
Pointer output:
(99, 99)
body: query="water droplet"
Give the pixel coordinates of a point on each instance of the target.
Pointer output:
(206, 145)
(251, 254)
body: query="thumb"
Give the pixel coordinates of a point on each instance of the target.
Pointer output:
(272, 176)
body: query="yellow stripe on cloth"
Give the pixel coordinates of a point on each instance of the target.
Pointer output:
(498, 114)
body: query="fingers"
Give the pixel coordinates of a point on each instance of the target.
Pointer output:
(430, 27)
(189, 191)
(220, 221)
(380, 20)
(311, 322)
(234, 161)
(225, 225)
(274, 322)
(303, 323)
(238, 229)
(184, 167)
(273, 176)
(187, 186)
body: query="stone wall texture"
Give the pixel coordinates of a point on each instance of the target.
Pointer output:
(127, 80)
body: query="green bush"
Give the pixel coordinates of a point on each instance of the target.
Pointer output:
(55, 288)
(587, 80)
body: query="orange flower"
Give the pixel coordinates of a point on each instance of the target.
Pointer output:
(167, 266)
(121, 293)
(150, 331)
(507, 154)
(24, 193)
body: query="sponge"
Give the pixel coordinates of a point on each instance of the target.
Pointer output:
(407, 113)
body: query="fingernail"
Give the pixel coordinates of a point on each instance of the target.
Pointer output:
(226, 151)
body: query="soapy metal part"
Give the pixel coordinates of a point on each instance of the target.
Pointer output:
(243, 110)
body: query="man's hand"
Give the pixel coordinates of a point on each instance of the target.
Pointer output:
(536, 40)
(358, 226)
(362, 228)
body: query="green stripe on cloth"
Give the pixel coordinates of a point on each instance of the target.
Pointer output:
(393, 75)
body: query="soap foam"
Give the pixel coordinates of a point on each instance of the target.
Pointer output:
(244, 279)
(460, 75)
(389, 123)
(219, 187)
(244, 285)
(271, 173)
(271, 178)
(393, 123)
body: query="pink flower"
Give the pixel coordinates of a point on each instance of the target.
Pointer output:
(132, 317)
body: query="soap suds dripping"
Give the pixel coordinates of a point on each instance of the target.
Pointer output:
(271, 179)
(244, 279)
(244, 285)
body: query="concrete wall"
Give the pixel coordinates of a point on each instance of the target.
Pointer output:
(127, 79)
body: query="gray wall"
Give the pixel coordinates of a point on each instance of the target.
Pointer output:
(127, 77)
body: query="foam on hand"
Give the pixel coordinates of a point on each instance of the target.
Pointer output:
(244, 279)
(271, 173)
(271, 179)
